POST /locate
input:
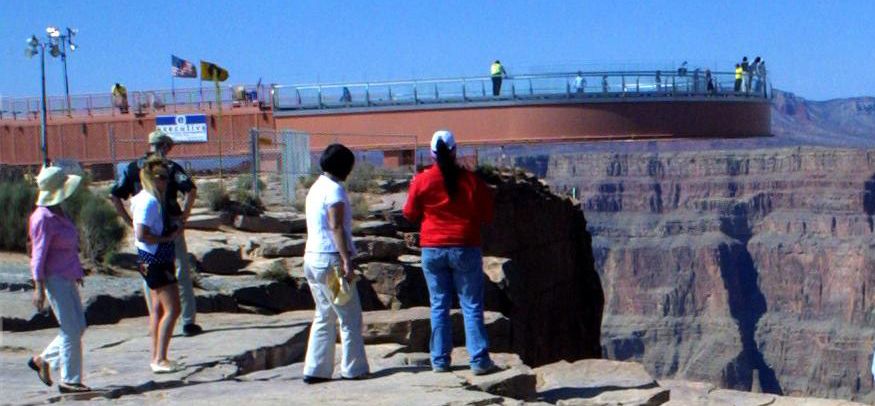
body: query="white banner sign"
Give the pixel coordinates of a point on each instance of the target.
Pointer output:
(184, 127)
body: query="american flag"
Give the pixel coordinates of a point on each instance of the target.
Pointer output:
(181, 68)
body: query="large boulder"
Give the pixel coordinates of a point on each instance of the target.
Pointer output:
(216, 255)
(276, 246)
(272, 223)
(206, 221)
(374, 227)
(396, 285)
(373, 248)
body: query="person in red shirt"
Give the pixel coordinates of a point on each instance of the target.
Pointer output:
(452, 204)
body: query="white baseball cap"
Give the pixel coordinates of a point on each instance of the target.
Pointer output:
(443, 135)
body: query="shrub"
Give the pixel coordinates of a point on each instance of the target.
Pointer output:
(244, 184)
(100, 230)
(16, 203)
(359, 205)
(304, 182)
(362, 179)
(215, 195)
(277, 272)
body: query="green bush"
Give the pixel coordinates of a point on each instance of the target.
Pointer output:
(304, 182)
(359, 205)
(363, 178)
(277, 272)
(215, 195)
(244, 184)
(100, 229)
(16, 203)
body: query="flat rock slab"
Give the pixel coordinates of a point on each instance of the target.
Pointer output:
(590, 378)
(626, 397)
(116, 357)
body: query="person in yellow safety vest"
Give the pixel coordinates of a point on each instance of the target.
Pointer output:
(120, 97)
(739, 73)
(497, 71)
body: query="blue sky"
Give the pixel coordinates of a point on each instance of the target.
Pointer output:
(818, 49)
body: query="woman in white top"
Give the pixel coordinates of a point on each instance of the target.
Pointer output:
(156, 253)
(329, 248)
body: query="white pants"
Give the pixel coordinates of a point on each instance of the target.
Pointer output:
(323, 333)
(65, 351)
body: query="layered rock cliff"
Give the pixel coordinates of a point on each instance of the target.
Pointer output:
(749, 269)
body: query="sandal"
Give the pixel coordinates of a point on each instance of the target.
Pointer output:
(64, 387)
(41, 370)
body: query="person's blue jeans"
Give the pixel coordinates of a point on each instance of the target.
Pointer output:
(459, 270)
(65, 351)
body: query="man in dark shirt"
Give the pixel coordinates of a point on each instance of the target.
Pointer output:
(129, 184)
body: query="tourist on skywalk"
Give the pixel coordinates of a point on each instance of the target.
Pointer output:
(452, 204)
(56, 270)
(709, 81)
(154, 238)
(579, 83)
(128, 184)
(739, 74)
(605, 84)
(497, 72)
(329, 269)
(745, 79)
(120, 97)
(752, 72)
(762, 75)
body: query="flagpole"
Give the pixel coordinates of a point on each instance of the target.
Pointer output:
(173, 90)
(219, 121)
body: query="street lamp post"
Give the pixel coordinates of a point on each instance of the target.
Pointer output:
(36, 47)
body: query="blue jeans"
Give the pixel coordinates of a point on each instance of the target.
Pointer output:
(65, 351)
(458, 269)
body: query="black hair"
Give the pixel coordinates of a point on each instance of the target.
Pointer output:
(337, 160)
(446, 162)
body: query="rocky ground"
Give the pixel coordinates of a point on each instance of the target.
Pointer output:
(544, 321)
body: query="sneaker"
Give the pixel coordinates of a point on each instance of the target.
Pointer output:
(191, 330)
(440, 368)
(489, 369)
(164, 367)
(309, 380)
(64, 387)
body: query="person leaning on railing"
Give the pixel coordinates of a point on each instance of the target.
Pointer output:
(497, 72)
(120, 97)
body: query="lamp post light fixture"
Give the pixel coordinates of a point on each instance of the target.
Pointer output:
(59, 41)
(34, 46)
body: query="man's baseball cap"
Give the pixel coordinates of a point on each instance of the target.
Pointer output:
(159, 137)
(443, 135)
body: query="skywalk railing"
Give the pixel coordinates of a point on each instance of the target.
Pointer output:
(162, 101)
(592, 84)
(672, 84)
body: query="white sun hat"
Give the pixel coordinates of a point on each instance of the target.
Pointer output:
(55, 186)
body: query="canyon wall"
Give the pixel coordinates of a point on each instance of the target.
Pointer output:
(750, 269)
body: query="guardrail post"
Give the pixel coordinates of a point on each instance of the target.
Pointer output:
(415, 95)
(623, 83)
(567, 89)
(437, 95)
(391, 98)
(513, 90)
(531, 90)
(320, 97)
(253, 147)
(638, 84)
(368, 95)
(464, 91)
(483, 87)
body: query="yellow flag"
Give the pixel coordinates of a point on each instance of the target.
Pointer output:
(213, 72)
